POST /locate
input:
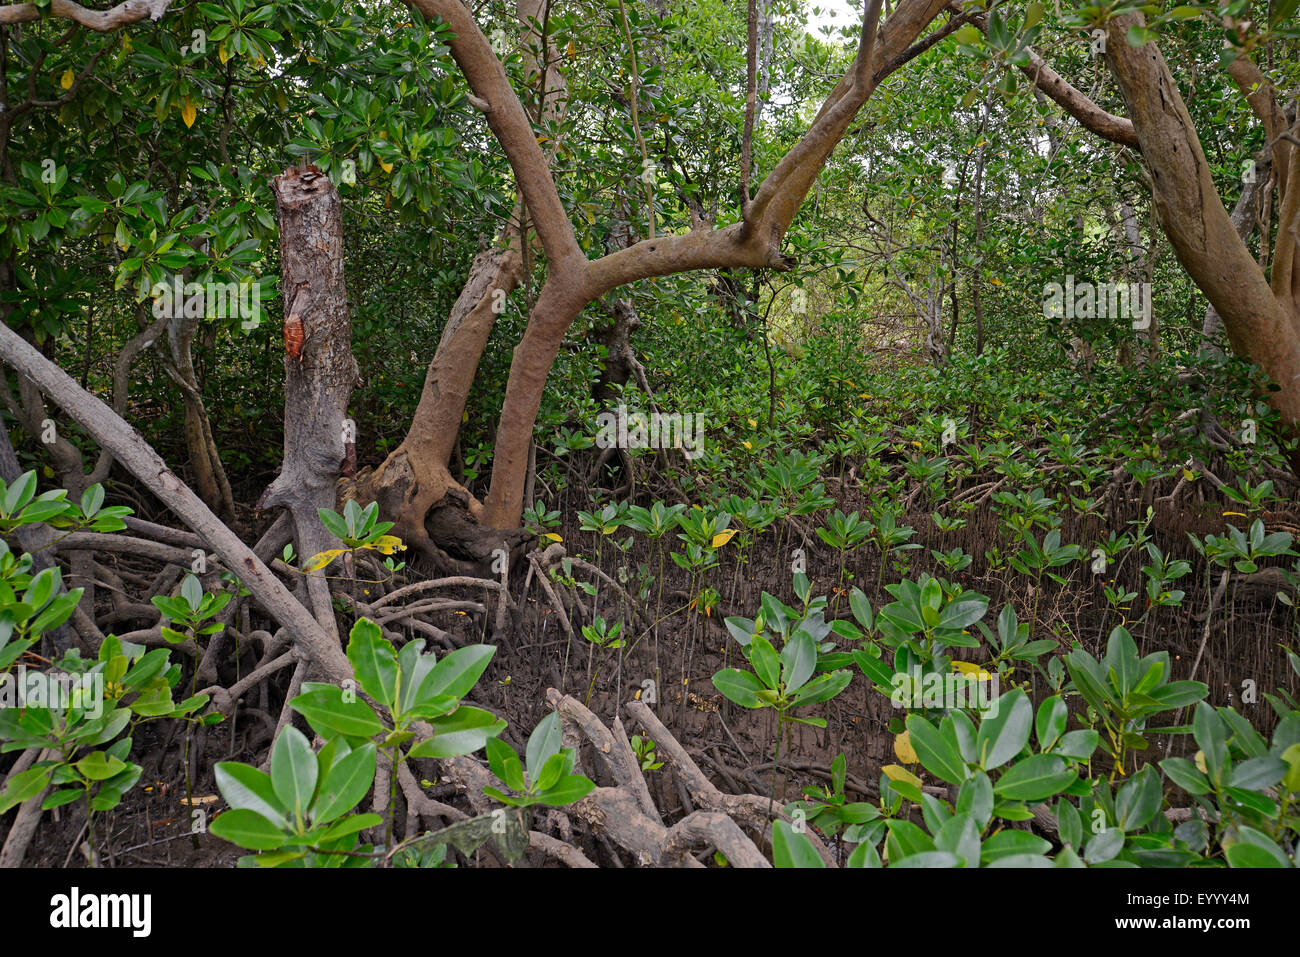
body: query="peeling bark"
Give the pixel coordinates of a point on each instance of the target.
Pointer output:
(320, 379)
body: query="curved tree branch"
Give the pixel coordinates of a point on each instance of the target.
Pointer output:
(101, 21)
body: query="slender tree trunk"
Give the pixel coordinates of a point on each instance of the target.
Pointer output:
(209, 475)
(320, 371)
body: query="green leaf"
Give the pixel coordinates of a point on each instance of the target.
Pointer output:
(293, 771)
(249, 829)
(864, 856)
(24, 786)
(976, 799)
(766, 661)
(1077, 744)
(59, 798)
(457, 672)
(790, 849)
(1138, 800)
(505, 764)
(1254, 848)
(333, 522)
(1050, 724)
(799, 657)
(963, 612)
(345, 784)
(99, 766)
(350, 825)
(928, 859)
(1139, 35)
(552, 771)
(463, 731)
(324, 708)
(1007, 842)
(822, 688)
(1104, 846)
(546, 739)
(877, 671)
(1281, 11)
(938, 755)
(1186, 775)
(571, 788)
(374, 661)
(1004, 735)
(960, 836)
(247, 788)
(1256, 774)
(1069, 823)
(742, 687)
(1211, 736)
(1034, 778)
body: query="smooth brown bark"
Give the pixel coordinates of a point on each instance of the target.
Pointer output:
(415, 477)
(754, 242)
(1261, 319)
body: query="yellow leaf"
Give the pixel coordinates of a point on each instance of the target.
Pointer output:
(904, 750)
(387, 544)
(65, 81)
(971, 670)
(1241, 514)
(723, 537)
(896, 772)
(573, 50)
(996, 282)
(188, 113)
(748, 445)
(553, 537)
(753, 424)
(1189, 475)
(1200, 762)
(318, 562)
(386, 167)
(224, 55)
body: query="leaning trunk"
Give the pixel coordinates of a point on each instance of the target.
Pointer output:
(1261, 319)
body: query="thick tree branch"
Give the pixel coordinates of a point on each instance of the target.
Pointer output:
(101, 21)
(512, 128)
(1259, 93)
(1108, 126)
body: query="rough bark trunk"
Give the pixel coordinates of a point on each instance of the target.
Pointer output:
(319, 368)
